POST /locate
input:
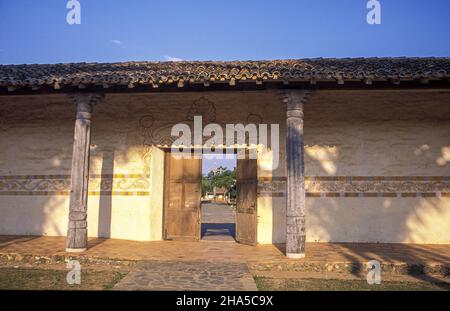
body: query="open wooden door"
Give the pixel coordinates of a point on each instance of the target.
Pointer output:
(246, 216)
(182, 198)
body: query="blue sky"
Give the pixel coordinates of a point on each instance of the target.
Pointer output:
(228, 161)
(116, 30)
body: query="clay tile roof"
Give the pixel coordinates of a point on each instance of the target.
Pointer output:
(160, 73)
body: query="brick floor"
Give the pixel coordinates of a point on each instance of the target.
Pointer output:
(230, 252)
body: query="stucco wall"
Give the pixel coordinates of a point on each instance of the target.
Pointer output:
(125, 199)
(397, 143)
(400, 134)
(126, 184)
(348, 134)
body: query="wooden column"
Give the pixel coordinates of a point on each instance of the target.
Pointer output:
(77, 227)
(295, 165)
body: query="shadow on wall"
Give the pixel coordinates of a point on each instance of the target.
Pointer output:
(378, 134)
(52, 206)
(105, 202)
(376, 219)
(43, 136)
(52, 217)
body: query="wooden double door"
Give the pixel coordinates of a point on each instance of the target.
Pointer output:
(182, 199)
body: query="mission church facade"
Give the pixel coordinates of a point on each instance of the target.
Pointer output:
(364, 150)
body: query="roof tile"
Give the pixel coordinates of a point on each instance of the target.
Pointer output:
(318, 69)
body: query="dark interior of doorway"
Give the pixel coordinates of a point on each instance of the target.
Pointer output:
(218, 205)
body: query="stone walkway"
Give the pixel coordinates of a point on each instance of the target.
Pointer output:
(218, 222)
(193, 276)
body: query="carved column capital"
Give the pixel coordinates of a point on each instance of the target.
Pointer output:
(294, 100)
(85, 103)
(85, 98)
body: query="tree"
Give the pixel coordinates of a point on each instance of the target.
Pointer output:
(206, 186)
(219, 177)
(225, 180)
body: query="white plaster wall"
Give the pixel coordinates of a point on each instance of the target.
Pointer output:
(380, 133)
(393, 220)
(157, 195)
(37, 215)
(271, 220)
(128, 217)
(36, 139)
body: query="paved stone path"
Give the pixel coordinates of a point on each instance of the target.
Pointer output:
(218, 222)
(192, 276)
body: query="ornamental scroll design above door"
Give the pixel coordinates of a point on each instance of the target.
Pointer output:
(155, 133)
(202, 107)
(159, 134)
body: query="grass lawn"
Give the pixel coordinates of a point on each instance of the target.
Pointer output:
(269, 284)
(52, 279)
(105, 279)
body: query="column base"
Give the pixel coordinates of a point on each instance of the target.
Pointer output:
(295, 256)
(75, 250)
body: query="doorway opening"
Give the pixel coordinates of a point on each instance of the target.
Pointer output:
(186, 218)
(218, 203)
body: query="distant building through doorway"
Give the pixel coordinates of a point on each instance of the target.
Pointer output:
(218, 208)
